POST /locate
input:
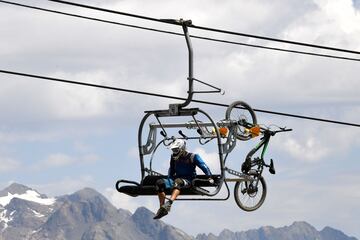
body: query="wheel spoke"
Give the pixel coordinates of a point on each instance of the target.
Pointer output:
(247, 198)
(241, 111)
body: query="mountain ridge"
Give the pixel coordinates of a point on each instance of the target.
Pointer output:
(298, 230)
(88, 215)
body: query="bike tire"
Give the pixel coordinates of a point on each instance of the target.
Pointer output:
(242, 198)
(246, 112)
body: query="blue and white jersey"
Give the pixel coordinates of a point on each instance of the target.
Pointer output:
(185, 165)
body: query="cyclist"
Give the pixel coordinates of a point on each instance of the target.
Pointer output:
(181, 173)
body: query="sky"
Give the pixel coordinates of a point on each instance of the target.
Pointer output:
(59, 138)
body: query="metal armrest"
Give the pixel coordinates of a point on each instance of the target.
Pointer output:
(204, 191)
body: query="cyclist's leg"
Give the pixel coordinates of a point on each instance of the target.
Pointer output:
(161, 185)
(179, 184)
(164, 207)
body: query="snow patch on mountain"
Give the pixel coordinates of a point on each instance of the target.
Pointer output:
(37, 214)
(6, 219)
(29, 195)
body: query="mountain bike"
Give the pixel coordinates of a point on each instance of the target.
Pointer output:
(250, 192)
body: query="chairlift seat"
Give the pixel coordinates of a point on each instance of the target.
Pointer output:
(147, 187)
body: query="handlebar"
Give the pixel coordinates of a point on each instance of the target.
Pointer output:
(262, 129)
(281, 130)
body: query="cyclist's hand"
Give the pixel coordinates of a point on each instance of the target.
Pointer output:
(211, 181)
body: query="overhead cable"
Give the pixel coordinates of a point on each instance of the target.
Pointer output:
(88, 18)
(180, 34)
(208, 28)
(171, 97)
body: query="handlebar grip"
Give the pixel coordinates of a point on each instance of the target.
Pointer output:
(287, 130)
(281, 130)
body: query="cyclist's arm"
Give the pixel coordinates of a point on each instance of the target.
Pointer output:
(201, 164)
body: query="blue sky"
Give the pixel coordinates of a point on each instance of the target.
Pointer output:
(60, 138)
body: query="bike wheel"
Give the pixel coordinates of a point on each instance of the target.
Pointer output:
(238, 111)
(248, 196)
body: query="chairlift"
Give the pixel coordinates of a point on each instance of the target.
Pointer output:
(223, 133)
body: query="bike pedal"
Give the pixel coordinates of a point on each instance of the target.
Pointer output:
(272, 168)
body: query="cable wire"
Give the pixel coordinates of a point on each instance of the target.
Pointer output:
(208, 28)
(179, 34)
(171, 97)
(277, 49)
(88, 18)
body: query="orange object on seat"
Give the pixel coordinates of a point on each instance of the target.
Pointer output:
(223, 131)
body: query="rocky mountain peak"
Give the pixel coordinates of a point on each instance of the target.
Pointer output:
(302, 229)
(23, 192)
(329, 233)
(301, 224)
(143, 213)
(143, 218)
(14, 188)
(87, 195)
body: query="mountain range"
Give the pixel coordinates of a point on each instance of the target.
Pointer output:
(26, 214)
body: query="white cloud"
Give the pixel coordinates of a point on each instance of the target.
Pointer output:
(89, 158)
(66, 185)
(57, 160)
(8, 164)
(15, 136)
(120, 200)
(342, 13)
(79, 101)
(313, 143)
(312, 149)
(210, 158)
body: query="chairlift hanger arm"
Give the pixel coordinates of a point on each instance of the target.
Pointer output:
(191, 64)
(185, 24)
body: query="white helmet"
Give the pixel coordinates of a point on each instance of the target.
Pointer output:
(178, 147)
